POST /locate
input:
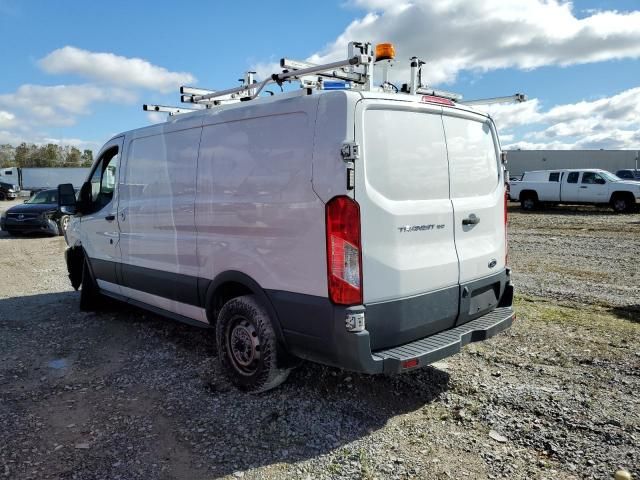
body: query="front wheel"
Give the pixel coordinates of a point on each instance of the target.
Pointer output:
(90, 297)
(247, 346)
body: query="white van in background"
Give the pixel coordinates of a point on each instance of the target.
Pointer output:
(356, 228)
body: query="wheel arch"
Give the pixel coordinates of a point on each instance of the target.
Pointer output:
(232, 284)
(526, 193)
(621, 193)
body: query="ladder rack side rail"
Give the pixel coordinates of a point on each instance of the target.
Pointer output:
(280, 77)
(517, 98)
(221, 93)
(354, 61)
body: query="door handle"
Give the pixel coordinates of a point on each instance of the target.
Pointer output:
(582, 187)
(110, 218)
(471, 220)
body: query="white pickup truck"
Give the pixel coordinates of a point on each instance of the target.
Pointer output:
(588, 186)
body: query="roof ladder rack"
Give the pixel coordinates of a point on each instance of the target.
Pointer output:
(356, 71)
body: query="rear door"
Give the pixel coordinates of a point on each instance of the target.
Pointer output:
(478, 198)
(570, 190)
(402, 187)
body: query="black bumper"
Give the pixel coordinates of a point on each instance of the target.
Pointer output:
(29, 226)
(314, 329)
(444, 344)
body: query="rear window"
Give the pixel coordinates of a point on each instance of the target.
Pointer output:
(573, 177)
(406, 156)
(473, 157)
(554, 177)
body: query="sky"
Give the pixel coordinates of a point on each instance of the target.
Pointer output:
(77, 72)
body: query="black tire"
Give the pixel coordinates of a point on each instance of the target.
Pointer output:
(62, 224)
(2, 197)
(621, 204)
(248, 347)
(90, 298)
(529, 202)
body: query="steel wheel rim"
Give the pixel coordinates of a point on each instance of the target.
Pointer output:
(65, 223)
(244, 346)
(528, 204)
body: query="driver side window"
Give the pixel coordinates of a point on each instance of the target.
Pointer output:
(103, 180)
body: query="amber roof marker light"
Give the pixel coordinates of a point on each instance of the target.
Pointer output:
(385, 51)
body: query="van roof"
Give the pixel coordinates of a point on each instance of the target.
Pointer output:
(379, 95)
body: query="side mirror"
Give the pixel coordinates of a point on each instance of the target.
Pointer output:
(67, 199)
(85, 198)
(503, 158)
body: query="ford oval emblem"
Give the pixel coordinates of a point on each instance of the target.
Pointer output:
(493, 263)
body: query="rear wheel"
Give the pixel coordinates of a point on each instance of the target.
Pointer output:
(2, 196)
(529, 202)
(247, 346)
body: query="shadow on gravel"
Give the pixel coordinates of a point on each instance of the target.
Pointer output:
(567, 211)
(185, 420)
(627, 312)
(21, 236)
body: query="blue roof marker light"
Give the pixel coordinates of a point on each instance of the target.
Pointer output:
(336, 85)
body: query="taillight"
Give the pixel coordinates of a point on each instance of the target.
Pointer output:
(344, 253)
(506, 232)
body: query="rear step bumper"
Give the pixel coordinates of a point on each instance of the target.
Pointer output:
(444, 344)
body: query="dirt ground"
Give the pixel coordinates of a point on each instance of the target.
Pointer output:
(124, 394)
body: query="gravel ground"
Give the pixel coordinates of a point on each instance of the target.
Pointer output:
(125, 394)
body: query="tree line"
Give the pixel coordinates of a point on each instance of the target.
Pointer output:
(49, 155)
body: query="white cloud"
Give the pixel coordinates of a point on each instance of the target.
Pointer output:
(156, 117)
(482, 35)
(113, 69)
(7, 119)
(59, 105)
(609, 122)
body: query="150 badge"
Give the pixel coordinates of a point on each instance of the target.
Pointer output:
(420, 228)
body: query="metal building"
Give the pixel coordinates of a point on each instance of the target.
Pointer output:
(520, 161)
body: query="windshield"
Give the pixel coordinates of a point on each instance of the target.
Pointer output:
(610, 176)
(48, 196)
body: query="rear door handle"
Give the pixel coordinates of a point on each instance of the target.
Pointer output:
(583, 187)
(471, 220)
(110, 218)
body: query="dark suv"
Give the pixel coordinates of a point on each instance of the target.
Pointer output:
(629, 174)
(38, 214)
(8, 191)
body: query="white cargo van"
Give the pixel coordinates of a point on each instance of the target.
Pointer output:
(357, 228)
